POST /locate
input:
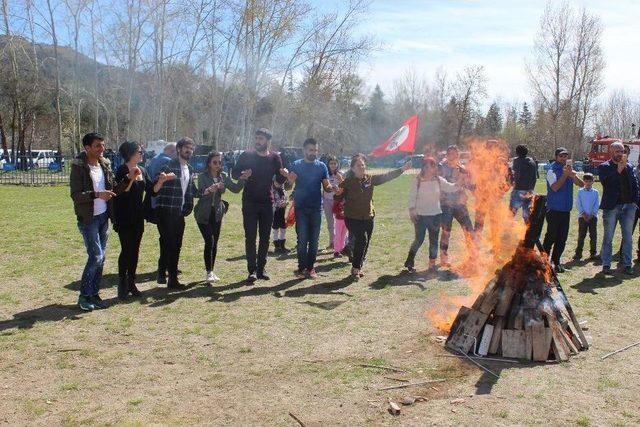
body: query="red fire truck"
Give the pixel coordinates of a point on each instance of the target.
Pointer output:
(600, 153)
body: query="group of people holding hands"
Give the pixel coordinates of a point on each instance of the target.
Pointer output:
(164, 194)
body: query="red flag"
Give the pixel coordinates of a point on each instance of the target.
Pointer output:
(403, 139)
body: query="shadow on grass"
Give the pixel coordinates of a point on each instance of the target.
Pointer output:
(406, 278)
(48, 313)
(326, 305)
(111, 280)
(589, 285)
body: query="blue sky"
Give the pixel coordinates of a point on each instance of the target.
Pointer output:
(499, 34)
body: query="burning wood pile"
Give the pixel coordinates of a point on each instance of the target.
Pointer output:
(523, 312)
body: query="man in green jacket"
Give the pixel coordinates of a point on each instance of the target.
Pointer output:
(91, 183)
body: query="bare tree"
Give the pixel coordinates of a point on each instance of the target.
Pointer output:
(469, 85)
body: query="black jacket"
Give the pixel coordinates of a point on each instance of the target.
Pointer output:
(524, 173)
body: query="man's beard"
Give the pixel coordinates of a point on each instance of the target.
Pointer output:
(185, 157)
(311, 157)
(261, 148)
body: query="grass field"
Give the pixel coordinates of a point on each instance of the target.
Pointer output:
(233, 354)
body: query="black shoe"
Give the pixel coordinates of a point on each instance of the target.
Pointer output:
(85, 303)
(595, 257)
(175, 284)
(628, 270)
(133, 289)
(560, 268)
(607, 270)
(97, 302)
(263, 275)
(252, 278)
(577, 257)
(162, 278)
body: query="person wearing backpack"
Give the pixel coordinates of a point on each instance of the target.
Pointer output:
(425, 210)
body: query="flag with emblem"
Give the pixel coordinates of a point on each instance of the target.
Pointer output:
(404, 139)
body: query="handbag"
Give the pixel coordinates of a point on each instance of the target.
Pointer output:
(220, 209)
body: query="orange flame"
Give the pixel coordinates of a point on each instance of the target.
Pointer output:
(491, 247)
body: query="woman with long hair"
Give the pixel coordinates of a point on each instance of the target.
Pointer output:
(210, 208)
(357, 192)
(425, 210)
(333, 166)
(132, 181)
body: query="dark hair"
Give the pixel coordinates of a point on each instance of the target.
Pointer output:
(357, 157)
(522, 150)
(264, 132)
(587, 177)
(128, 149)
(210, 157)
(332, 159)
(184, 141)
(453, 147)
(90, 137)
(427, 161)
(309, 141)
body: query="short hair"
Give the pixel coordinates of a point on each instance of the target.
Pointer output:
(453, 148)
(211, 155)
(170, 146)
(587, 176)
(90, 137)
(309, 141)
(264, 132)
(184, 141)
(357, 157)
(128, 149)
(522, 150)
(617, 144)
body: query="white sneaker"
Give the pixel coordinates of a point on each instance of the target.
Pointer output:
(214, 278)
(210, 276)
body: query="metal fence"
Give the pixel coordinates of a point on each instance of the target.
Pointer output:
(26, 171)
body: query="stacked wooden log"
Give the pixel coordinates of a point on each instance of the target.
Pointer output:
(523, 313)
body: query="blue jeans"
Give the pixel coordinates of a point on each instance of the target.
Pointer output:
(424, 224)
(95, 237)
(625, 214)
(308, 223)
(520, 199)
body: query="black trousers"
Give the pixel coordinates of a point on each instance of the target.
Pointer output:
(361, 230)
(171, 228)
(257, 219)
(556, 235)
(210, 233)
(130, 238)
(162, 268)
(583, 227)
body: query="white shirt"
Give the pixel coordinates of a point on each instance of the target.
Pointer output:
(184, 179)
(425, 198)
(551, 177)
(97, 177)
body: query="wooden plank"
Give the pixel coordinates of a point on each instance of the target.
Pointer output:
(465, 328)
(573, 323)
(540, 340)
(488, 290)
(490, 300)
(498, 324)
(518, 321)
(513, 344)
(487, 334)
(560, 349)
(504, 301)
(529, 320)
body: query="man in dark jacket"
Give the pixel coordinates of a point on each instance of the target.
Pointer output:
(175, 189)
(524, 177)
(257, 200)
(619, 202)
(91, 183)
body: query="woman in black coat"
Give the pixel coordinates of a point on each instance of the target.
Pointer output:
(132, 181)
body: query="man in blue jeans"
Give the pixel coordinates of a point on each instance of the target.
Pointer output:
(309, 174)
(619, 203)
(91, 184)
